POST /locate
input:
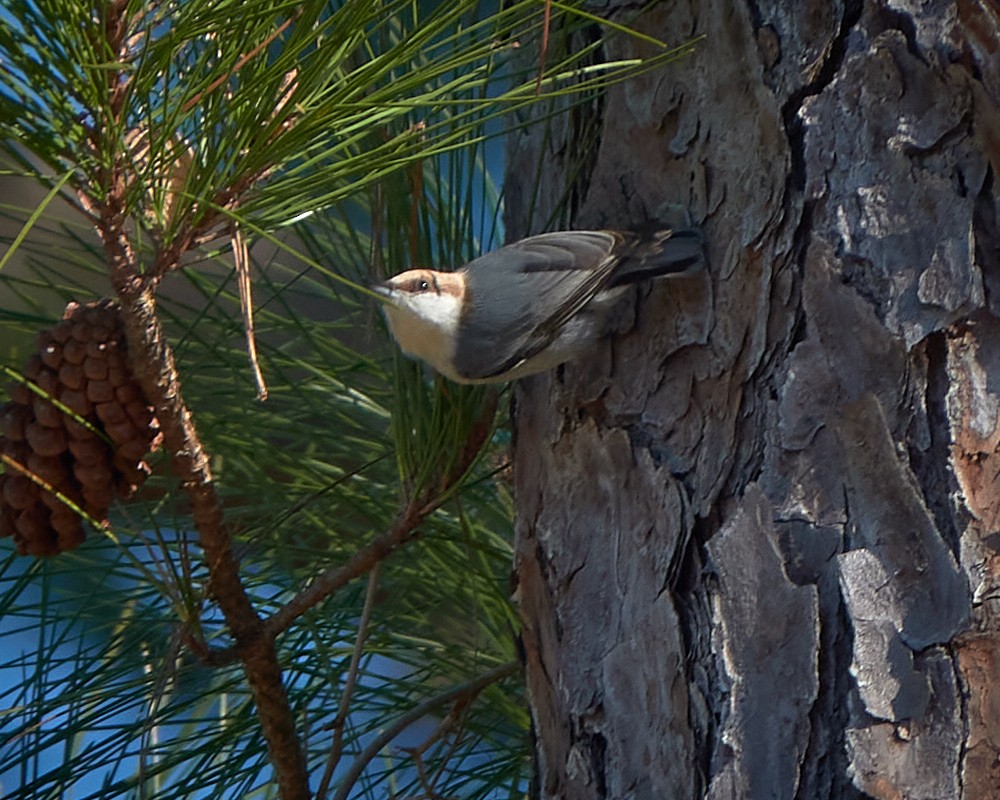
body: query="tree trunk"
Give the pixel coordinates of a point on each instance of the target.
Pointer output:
(758, 548)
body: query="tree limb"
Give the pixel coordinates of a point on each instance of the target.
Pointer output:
(327, 582)
(464, 691)
(337, 749)
(152, 363)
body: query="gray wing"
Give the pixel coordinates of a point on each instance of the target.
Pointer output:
(521, 295)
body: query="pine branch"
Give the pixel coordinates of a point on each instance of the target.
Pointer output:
(404, 528)
(337, 748)
(152, 363)
(464, 693)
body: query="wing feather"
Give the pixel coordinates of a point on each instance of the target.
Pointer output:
(562, 270)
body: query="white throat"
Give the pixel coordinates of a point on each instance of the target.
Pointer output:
(426, 326)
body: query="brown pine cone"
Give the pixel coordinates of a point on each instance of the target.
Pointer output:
(56, 459)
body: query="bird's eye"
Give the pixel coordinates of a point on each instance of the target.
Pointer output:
(423, 285)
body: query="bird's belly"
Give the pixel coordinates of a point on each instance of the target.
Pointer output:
(577, 338)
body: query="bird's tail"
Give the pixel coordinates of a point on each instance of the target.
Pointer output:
(659, 252)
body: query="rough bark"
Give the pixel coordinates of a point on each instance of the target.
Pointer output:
(758, 551)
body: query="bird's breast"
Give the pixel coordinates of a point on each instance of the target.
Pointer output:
(422, 339)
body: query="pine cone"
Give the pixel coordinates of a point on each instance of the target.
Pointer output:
(83, 450)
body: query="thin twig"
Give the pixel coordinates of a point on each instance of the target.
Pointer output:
(157, 698)
(418, 762)
(456, 718)
(375, 246)
(241, 260)
(417, 191)
(544, 48)
(417, 753)
(337, 750)
(326, 583)
(241, 61)
(206, 229)
(465, 691)
(404, 529)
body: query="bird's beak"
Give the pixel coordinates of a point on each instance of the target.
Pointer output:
(383, 290)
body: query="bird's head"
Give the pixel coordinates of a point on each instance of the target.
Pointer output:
(423, 308)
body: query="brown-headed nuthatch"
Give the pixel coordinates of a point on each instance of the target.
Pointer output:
(529, 306)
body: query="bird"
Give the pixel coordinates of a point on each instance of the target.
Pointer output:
(528, 306)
